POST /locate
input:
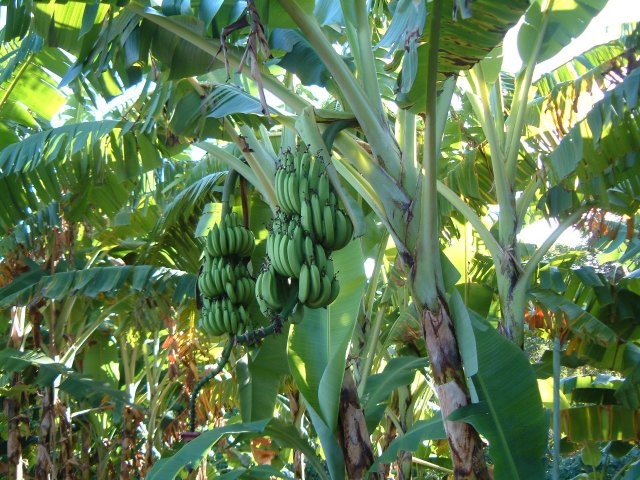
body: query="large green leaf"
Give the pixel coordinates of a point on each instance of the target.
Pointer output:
(93, 281)
(28, 88)
(79, 387)
(567, 20)
(509, 408)
(463, 43)
(300, 57)
(601, 150)
(600, 423)
(318, 345)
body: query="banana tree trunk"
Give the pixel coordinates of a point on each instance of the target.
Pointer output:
(353, 434)
(451, 388)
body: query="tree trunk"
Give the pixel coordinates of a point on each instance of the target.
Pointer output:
(451, 388)
(352, 432)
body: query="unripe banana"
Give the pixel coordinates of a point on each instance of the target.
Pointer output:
(230, 232)
(314, 173)
(233, 320)
(335, 290)
(293, 257)
(340, 238)
(305, 166)
(329, 227)
(306, 216)
(316, 284)
(316, 215)
(294, 187)
(231, 293)
(324, 188)
(224, 245)
(320, 257)
(309, 251)
(304, 283)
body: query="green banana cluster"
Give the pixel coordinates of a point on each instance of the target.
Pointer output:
(306, 229)
(224, 281)
(230, 238)
(272, 291)
(303, 189)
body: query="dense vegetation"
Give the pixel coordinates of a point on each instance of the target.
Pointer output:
(144, 146)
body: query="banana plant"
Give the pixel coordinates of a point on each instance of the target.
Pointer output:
(184, 56)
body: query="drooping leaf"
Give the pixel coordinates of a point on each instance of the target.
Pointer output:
(566, 20)
(463, 43)
(93, 281)
(600, 423)
(82, 388)
(300, 57)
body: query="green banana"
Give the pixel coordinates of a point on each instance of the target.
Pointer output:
(320, 256)
(316, 284)
(309, 253)
(224, 246)
(306, 216)
(341, 238)
(304, 283)
(231, 292)
(324, 188)
(329, 227)
(231, 240)
(294, 187)
(305, 166)
(316, 214)
(314, 173)
(284, 257)
(335, 290)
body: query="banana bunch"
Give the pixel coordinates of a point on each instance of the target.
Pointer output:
(317, 285)
(306, 229)
(220, 277)
(230, 238)
(271, 291)
(303, 189)
(224, 280)
(222, 316)
(285, 245)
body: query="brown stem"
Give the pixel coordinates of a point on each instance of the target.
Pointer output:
(465, 444)
(127, 443)
(296, 411)
(66, 441)
(43, 467)
(14, 447)
(244, 201)
(352, 432)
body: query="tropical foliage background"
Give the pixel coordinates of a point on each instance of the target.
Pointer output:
(465, 351)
